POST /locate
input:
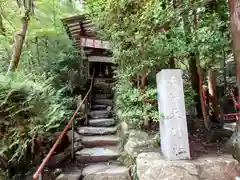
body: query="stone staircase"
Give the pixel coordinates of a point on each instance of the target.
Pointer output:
(98, 135)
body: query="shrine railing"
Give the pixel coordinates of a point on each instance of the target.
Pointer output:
(38, 173)
(236, 104)
(234, 115)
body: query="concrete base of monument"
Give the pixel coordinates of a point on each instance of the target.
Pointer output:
(153, 166)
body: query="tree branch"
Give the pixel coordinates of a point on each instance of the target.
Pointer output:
(2, 29)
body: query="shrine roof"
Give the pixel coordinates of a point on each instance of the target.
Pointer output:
(79, 25)
(84, 33)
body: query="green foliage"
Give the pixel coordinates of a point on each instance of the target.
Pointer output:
(28, 109)
(2, 174)
(62, 62)
(134, 175)
(189, 95)
(131, 27)
(134, 107)
(134, 28)
(37, 98)
(140, 44)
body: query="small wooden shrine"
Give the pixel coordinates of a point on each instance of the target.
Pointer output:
(97, 51)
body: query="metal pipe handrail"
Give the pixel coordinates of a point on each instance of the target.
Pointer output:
(38, 173)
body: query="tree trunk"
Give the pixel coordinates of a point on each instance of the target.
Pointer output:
(201, 82)
(203, 104)
(138, 81)
(224, 71)
(142, 87)
(234, 7)
(144, 80)
(2, 28)
(212, 88)
(172, 63)
(18, 43)
(195, 83)
(192, 63)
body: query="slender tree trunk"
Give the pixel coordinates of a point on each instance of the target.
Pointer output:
(192, 62)
(212, 87)
(234, 7)
(224, 71)
(195, 83)
(37, 48)
(201, 82)
(144, 79)
(200, 76)
(172, 63)
(201, 96)
(138, 81)
(2, 28)
(18, 43)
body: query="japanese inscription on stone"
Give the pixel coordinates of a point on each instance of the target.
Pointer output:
(173, 128)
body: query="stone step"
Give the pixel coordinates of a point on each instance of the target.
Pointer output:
(99, 107)
(99, 114)
(105, 79)
(88, 130)
(94, 141)
(97, 154)
(103, 171)
(102, 96)
(71, 172)
(102, 90)
(104, 122)
(103, 101)
(103, 85)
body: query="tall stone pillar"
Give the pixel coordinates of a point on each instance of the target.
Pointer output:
(173, 123)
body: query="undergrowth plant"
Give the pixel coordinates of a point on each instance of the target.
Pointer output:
(38, 97)
(28, 109)
(133, 106)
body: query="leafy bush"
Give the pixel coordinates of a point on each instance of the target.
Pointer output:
(28, 109)
(189, 95)
(133, 106)
(66, 67)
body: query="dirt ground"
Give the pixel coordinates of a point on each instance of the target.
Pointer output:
(202, 142)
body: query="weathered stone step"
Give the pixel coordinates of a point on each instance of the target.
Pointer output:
(99, 90)
(103, 85)
(71, 172)
(103, 171)
(104, 79)
(97, 154)
(94, 141)
(102, 96)
(97, 130)
(102, 90)
(99, 114)
(103, 101)
(99, 107)
(103, 122)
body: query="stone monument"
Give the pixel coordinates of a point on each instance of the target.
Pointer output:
(173, 123)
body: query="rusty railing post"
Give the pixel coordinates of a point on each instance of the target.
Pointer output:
(73, 139)
(40, 176)
(86, 111)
